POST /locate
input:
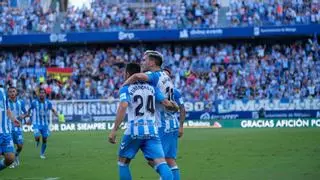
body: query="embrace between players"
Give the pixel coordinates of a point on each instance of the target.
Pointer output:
(151, 103)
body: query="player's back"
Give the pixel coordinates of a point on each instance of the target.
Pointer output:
(161, 80)
(141, 98)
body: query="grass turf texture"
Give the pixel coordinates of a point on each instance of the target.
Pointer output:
(203, 154)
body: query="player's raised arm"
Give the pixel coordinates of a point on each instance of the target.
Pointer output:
(137, 77)
(121, 113)
(152, 61)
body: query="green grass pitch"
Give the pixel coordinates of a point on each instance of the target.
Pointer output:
(204, 154)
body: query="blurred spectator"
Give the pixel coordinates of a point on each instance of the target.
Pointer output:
(160, 14)
(102, 16)
(15, 20)
(269, 12)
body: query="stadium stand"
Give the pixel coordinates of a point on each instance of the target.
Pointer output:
(228, 71)
(210, 72)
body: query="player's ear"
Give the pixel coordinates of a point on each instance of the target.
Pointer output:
(127, 75)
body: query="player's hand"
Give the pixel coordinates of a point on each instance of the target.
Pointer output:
(180, 132)
(16, 123)
(174, 107)
(112, 137)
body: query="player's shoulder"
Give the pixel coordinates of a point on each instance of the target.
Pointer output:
(124, 88)
(140, 84)
(156, 73)
(123, 91)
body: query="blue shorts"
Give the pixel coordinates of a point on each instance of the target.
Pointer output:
(169, 143)
(42, 130)
(151, 147)
(6, 143)
(17, 137)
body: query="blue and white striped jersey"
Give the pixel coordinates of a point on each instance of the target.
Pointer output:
(141, 98)
(4, 121)
(17, 108)
(40, 112)
(168, 119)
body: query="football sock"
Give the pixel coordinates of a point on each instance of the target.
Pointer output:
(124, 171)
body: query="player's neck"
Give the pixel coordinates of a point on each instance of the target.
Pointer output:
(42, 100)
(13, 99)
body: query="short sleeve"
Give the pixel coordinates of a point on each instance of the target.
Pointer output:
(152, 78)
(124, 94)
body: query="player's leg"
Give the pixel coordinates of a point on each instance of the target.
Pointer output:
(7, 161)
(45, 134)
(43, 147)
(18, 141)
(152, 150)
(36, 134)
(127, 150)
(7, 148)
(124, 170)
(171, 140)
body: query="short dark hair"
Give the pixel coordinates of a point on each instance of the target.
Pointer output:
(12, 87)
(156, 56)
(133, 68)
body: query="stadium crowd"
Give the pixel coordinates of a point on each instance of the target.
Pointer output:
(287, 12)
(210, 72)
(14, 20)
(102, 16)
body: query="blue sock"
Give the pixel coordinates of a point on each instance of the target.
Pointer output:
(124, 171)
(164, 171)
(43, 148)
(2, 165)
(175, 173)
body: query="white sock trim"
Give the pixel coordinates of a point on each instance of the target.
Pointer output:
(174, 168)
(157, 165)
(122, 164)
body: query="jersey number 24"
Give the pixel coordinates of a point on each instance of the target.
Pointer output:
(141, 108)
